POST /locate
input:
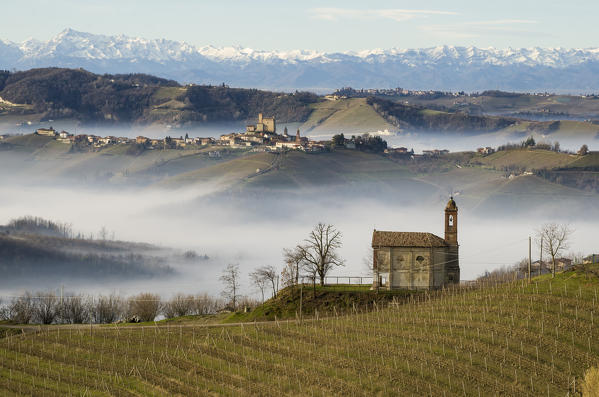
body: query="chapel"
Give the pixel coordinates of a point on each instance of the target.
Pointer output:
(416, 260)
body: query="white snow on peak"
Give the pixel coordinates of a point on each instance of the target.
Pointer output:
(74, 44)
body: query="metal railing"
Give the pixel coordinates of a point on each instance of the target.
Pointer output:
(348, 280)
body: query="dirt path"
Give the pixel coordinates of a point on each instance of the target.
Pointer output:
(28, 328)
(275, 164)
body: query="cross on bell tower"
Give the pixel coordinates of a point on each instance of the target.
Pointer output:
(451, 222)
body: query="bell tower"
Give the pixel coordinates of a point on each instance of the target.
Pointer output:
(451, 222)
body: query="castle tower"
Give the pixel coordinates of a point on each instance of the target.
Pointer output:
(259, 117)
(451, 222)
(298, 139)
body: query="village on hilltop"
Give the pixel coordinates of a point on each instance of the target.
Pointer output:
(259, 137)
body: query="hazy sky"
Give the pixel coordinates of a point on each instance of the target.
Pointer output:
(311, 24)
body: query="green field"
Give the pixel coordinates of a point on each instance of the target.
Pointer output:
(348, 116)
(526, 159)
(515, 339)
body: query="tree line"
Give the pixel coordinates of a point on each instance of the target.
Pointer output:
(312, 259)
(46, 307)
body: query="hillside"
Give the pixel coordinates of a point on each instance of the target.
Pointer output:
(81, 98)
(55, 93)
(239, 174)
(33, 249)
(514, 339)
(354, 115)
(540, 107)
(411, 117)
(527, 159)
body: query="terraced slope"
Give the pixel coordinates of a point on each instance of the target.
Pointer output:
(518, 339)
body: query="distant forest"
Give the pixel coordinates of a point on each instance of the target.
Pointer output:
(75, 93)
(36, 247)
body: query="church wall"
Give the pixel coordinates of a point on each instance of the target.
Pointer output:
(453, 265)
(382, 261)
(433, 270)
(411, 268)
(440, 275)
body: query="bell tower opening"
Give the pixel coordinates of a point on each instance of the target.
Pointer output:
(451, 222)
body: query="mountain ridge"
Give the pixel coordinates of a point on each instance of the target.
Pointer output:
(442, 67)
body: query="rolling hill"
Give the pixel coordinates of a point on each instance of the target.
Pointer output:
(82, 98)
(510, 339)
(517, 176)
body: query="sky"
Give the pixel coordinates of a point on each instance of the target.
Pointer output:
(329, 26)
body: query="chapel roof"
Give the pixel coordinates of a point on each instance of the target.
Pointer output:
(406, 239)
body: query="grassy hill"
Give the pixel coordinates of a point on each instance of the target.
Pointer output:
(527, 159)
(321, 301)
(514, 339)
(349, 116)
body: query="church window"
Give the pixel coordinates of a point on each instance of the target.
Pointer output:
(450, 220)
(420, 259)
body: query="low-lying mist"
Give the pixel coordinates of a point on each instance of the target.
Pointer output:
(252, 230)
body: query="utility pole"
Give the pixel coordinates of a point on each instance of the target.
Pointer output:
(529, 257)
(541, 256)
(301, 298)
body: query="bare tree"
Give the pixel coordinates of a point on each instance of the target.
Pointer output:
(75, 310)
(3, 311)
(270, 276)
(21, 309)
(555, 240)
(293, 258)
(230, 278)
(144, 306)
(103, 234)
(46, 307)
(368, 262)
(178, 306)
(205, 304)
(259, 281)
(319, 251)
(107, 309)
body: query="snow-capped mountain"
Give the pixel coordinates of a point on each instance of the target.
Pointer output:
(442, 68)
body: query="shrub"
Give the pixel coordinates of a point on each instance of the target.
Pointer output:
(180, 305)
(144, 306)
(205, 304)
